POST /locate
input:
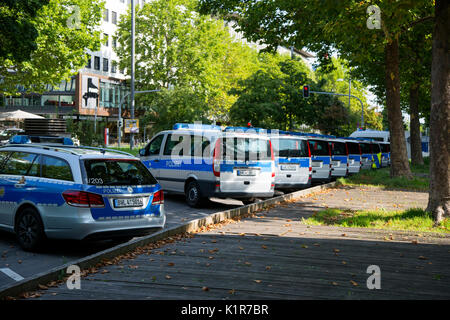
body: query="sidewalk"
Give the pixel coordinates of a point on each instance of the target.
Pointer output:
(274, 256)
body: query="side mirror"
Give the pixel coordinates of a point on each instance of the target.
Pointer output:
(142, 152)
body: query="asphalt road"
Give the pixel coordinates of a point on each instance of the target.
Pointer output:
(57, 252)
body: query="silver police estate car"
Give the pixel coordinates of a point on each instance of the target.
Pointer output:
(76, 193)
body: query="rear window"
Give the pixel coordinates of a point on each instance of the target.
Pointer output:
(244, 149)
(376, 148)
(353, 148)
(338, 148)
(385, 147)
(319, 147)
(291, 148)
(365, 148)
(117, 172)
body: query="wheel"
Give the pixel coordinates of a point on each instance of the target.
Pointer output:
(194, 197)
(30, 229)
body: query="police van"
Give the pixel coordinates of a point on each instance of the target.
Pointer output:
(292, 160)
(203, 161)
(366, 155)
(354, 155)
(376, 155)
(320, 158)
(339, 158)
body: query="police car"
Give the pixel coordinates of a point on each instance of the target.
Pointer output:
(202, 161)
(76, 193)
(292, 160)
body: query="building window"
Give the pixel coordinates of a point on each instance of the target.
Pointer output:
(105, 64)
(88, 65)
(105, 39)
(114, 17)
(122, 1)
(114, 42)
(97, 63)
(113, 66)
(106, 15)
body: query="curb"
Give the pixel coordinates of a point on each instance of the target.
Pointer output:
(31, 284)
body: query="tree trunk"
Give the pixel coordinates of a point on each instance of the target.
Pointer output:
(399, 156)
(439, 194)
(414, 125)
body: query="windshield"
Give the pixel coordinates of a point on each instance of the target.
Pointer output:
(319, 147)
(114, 172)
(291, 148)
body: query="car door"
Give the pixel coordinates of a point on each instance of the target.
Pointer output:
(152, 155)
(18, 182)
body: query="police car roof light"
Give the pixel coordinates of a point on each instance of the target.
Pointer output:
(196, 126)
(19, 139)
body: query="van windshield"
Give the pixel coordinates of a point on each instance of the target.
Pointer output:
(291, 148)
(376, 148)
(319, 147)
(244, 149)
(117, 172)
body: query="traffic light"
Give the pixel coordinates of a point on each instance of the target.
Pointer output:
(120, 123)
(305, 91)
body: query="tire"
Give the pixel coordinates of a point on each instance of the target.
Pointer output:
(193, 195)
(30, 230)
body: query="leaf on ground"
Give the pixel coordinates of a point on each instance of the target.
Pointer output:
(334, 283)
(241, 248)
(232, 291)
(423, 258)
(264, 247)
(171, 264)
(268, 268)
(304, 246)
(168, 277)
(336, 250)
(247, 263)
(354, 283)
(257, 281)
(242, 234)
(42, 287)
(205, 288)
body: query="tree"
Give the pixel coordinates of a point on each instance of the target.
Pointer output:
(65, 30)
(345, 26)
(175, 46)
(439, 195)
(181, 104)
(17, 31)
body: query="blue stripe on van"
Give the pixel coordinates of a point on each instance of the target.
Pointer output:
(191, 165)
(343, 159)
(355, 157)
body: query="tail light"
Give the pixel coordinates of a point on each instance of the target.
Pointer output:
(272, 157)
(310, 169)
(83, 199)
(309, 149)
(216, 158)
(158, 198)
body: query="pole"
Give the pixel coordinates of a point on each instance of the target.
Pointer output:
(133, 17)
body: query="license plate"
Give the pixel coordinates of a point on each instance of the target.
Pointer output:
(246, 173)
(128, 202)
(317, 164)
(336, 163)
(288, 167)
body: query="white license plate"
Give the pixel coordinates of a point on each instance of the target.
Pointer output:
(128, 202)
(336, 163)
(317, 164)
(246, 173)
(288, 167)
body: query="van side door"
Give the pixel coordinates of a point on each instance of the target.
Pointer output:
(152, 155)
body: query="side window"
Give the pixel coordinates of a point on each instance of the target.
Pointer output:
(55, 168)
(19, 163)
(3, 157)
(177, 144)
(204, 146)
(155, 146)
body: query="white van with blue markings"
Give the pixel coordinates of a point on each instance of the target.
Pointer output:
(203, 161)
(292, 160)
(320, 159)
(339, 158)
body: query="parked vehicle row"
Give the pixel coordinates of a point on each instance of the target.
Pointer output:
(202, 161)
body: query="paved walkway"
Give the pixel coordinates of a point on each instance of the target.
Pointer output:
(273, 255)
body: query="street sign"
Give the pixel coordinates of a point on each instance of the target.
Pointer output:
(131, 125)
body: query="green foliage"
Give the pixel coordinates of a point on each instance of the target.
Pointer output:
(84, 131)
(180, 104)
(61, 42)
(17, 32)
(175, 46)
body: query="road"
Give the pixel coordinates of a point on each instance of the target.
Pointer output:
(57, 252)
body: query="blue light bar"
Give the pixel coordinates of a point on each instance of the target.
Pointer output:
(196, 126)
(67, 141)
(246, 129)
(19, 139)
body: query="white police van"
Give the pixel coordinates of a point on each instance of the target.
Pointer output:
(292, 160)
(320, 158)
(339, 158)
(69, 192)
(354, 155)
(203, 161)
